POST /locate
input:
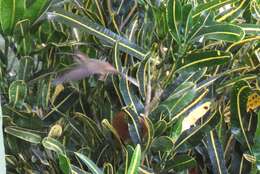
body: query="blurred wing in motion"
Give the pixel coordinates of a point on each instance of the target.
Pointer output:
(76, 73)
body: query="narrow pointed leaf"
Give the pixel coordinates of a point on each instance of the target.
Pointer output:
(163, 144)
(17, 93)
(211, 5)
(35, 10)
(89, 163)
(256, 146)
(216, 153)
(180, 163)
(64, 164)
(72, 20)
(222, 32)
(11, 12)
(239, 96)
(135, 161)
(53, 144)
(200, 60)
(174, 15)
(24, 134)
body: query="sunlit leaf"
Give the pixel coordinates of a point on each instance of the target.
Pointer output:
(53, 144)
(135, 161)
(64, 164)
(10, 13)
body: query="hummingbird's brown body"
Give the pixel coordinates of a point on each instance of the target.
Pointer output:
(86, 67)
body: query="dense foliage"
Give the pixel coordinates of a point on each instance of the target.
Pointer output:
(195, 108)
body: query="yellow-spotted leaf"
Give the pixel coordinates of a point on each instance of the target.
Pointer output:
(253, 102)
(195, 115)
(135, 161)
(24, 134)
(192, 137)
(200, 60)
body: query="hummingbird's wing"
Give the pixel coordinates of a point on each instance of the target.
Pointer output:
(76, 73)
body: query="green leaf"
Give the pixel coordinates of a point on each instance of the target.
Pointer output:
(174, 16)
(134, 126)
(222, 32)
(143, 75)
(135, 161)
(252, 29)
(53, 144)
(25, 68)
(129, 96)
(2, 147)
(17, 93)
(64, 164)
(108, 168)
(216, 153)
(24, 134)
(200, 60)
(160, 127)
(11, 12)
(72, 20)
(43, 93)
(180, 163)
(232, 81)
(235, 12)
(35, 10)
(256, 146)
(91, 165)
(239, 96)
(163, 144)
(255, 9)
(187, 19)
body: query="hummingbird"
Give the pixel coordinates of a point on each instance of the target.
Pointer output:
(86, 66)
